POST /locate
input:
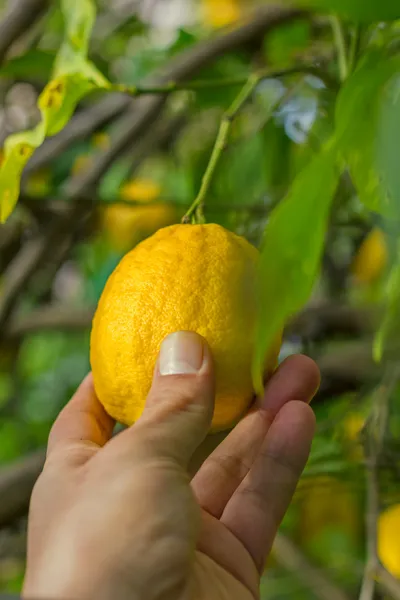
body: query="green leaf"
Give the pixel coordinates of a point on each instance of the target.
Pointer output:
(390, 327)
(387, 159)
(292, 250)
(74, 77)
(358, 121)
(284, 43)
(79, 16)
(35, 63)
(366, 11)
(387, 141)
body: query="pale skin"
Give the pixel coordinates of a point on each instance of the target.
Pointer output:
(119, 517)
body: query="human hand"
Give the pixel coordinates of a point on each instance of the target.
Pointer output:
(118, 517)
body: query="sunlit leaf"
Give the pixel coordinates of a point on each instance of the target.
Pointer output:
(60, 98)
(73, 78)
(359, 10)
(292, 249)
(358, 124)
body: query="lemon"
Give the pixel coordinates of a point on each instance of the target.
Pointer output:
(124, 225)
(220, 13)
(389, 539)
(371, 259)
(184, 278)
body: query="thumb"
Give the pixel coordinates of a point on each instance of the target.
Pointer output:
(180, 404)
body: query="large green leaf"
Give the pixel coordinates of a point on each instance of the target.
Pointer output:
(358, 121)
(73, 78)
(359, 10)
(292, 249)
(387, 141)
(387, 157)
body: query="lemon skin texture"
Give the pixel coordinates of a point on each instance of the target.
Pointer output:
(197, 278)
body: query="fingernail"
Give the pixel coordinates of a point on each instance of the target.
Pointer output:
(181, 353)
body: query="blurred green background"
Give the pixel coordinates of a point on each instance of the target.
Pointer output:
(150, 183)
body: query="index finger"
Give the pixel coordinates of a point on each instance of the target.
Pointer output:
(83, 421)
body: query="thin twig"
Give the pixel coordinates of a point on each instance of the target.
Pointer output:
(374, 435)
(387, 583)
(196, 211)
(200, 85)
(354, 48)
(340, 44)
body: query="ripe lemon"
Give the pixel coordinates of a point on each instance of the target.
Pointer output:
(389, 539)
(371, 259)
(185, 277)
(124, 224)
(220, 13)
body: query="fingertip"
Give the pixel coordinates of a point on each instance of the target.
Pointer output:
(180, 404)
(298, 376)
(305, 369)
(294, 427)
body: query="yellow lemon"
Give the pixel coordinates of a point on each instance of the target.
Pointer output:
(371, 259)
(220, 13)
(389, 539)
(184, 278)
(125, 225)
(140, 190)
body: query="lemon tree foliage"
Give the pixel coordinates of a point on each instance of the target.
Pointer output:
(359, 121)
(368, 132)
(74, 76)
(292, 248)
(388, 136)
(360, 10)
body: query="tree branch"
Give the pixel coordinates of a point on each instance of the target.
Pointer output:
(331, 318)
(31, 256)
(16, 485)
(60, 318)
(20, 16)
(312, 577)
(387, 583)
(82, 125)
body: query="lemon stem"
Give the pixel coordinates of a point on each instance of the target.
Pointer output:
(196, 211)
